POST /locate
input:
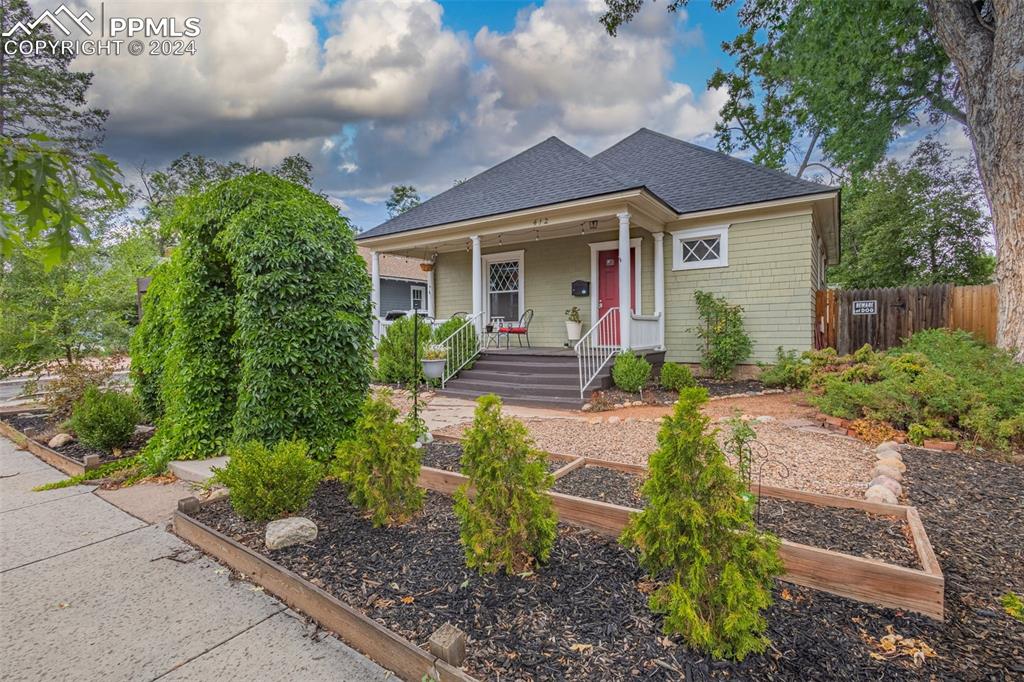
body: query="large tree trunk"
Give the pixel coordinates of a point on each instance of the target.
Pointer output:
(989, 57)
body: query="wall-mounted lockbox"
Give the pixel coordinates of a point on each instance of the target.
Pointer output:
(580, 288)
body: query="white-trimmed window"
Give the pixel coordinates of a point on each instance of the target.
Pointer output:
(417, 297)
(503, 285)
(702, 247)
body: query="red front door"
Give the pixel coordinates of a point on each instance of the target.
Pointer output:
(608, 284)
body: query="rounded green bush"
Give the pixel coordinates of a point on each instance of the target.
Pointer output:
(631, 372)
(105, 419)
(676, 377)
(396, 360)
(265, 483)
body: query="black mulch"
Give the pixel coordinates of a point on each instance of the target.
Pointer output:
(600, 483)
(841, 530)
(524, 628)
(653, 395)
(41, 427)
(448, 456)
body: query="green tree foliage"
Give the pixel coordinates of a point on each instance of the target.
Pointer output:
(676, 377)
(151, 341)
(396, 354)
(380, 466)
(697, 531)
(302, 317)
(509, 523)
(403, 197)
(83, 306)
(265, 483)
(631, 372)
(724, 342)
(105, 419)
(271, 322)
(295, 168)
(915, 223)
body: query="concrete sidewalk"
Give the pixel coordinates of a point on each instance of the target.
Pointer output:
(89, 592)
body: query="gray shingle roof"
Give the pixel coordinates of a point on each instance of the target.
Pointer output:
(685, 176)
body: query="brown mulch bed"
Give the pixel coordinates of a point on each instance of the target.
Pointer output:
(588, 593)
(448, 456)
(42, 427)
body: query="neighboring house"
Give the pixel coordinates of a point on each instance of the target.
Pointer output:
(403, 284)
(651, 218)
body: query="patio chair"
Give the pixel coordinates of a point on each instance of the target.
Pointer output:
(519, 329)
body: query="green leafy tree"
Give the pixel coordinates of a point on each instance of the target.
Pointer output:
(380, 466)
(697, 532)
(862, 71)
(295, 168)
(507, 522)
(724, 341)
(403, 197)
(914, 223)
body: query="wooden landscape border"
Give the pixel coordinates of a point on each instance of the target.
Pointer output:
(388, 649)
(69, 466)
(860, 578)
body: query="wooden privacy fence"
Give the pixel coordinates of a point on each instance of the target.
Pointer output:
(847, 319)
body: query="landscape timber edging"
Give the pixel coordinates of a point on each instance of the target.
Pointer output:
(64, 463)
(867, 580)
(357, 630)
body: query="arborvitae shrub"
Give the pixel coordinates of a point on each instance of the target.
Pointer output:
(265, 483)
(379, 464)
(697, 532)
(105, 419)
(396, 362)
(510, 522)
(152, 340)
(676, 377)
(631, 372)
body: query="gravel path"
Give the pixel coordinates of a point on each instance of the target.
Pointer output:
(833, 465)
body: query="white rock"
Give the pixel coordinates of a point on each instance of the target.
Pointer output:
(888, 453)
(426, 437)
(60, 440)
(587, 407)
(890, 444)
(765, 418)
(290, 531)
(614, 420)
(889, 483)
(893, 463)
(417, 445)
(882, 470)
(618, 406)
(879, 493)
(144, 428)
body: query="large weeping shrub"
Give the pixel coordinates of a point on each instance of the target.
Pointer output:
(302, 322)
(151, 341)
(237, 345)
(506, 519)
(697, 534)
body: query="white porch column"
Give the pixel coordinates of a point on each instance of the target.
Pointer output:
(625, 280)
(478, 284)
(430, 293)
(659, 285)
(375, 291)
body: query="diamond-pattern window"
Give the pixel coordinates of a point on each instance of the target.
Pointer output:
(700, 250)
(504, 277)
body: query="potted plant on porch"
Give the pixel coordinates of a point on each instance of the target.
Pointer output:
(573, 324)
(434, 359)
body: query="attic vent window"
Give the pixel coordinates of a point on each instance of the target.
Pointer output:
(705, 247)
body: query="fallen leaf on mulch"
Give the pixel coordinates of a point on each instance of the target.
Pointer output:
(581, 648)
(408, 600)
(895, 646)
(786, 594)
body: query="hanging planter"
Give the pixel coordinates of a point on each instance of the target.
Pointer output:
(426, 267)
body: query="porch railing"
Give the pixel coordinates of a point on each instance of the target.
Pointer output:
(461, 346)
(597, 347)
(645, 332)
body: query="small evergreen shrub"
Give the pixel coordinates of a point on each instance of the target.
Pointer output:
(265, 483)
(397, 361)
(379, 464)
(791, 370)
(509, 523)
(724, 343)
(676, 377)
(697, 532)
(105, 419)
(631, 372)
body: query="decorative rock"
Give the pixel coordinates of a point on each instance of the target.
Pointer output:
(889, 483)
(888, 453)
(60, 440)
(878, 493)
(893, 463)
(449, 644)
(144, 428)
(417, 445)
(587, 407)
(765, 418)
(290, 531)
(890, 444)
(619, 406)
(880, 470)
(426, 437)
(614, 420)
